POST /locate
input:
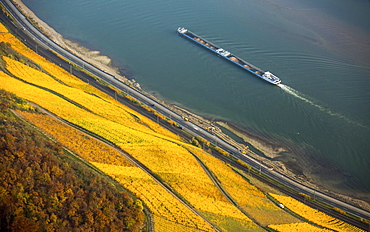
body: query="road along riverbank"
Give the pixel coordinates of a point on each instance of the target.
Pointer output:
(105, 64)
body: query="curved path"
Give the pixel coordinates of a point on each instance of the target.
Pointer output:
(224, 192)
(127, 156)
(186, 125)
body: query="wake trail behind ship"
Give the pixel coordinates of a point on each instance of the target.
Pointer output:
(304, 98)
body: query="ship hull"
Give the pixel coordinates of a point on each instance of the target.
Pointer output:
(267, 76)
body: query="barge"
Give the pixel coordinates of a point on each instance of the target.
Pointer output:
(267, 76)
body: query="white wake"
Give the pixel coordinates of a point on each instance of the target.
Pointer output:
(304, 98)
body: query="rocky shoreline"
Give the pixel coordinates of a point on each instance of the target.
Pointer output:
(271, 151)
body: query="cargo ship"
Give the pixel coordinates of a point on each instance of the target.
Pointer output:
(267, 76)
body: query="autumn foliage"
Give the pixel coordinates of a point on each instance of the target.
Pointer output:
(313, 215)
(41, 189)
(184, 188)
(251, 200)
(160, 202)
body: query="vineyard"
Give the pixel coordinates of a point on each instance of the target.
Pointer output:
(297, 227)
(252, 200)
(182, 189)
(161, 203)
(314, 215)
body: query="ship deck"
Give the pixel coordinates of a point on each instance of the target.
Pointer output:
(229, 56)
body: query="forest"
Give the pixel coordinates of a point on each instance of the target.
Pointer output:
(43, 189)
(73, 158)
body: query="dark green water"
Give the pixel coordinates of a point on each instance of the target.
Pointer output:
(320, 49)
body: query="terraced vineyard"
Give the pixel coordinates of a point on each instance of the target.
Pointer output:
(313, 215)
(184, 188)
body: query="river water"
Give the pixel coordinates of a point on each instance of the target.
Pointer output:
(320, 49)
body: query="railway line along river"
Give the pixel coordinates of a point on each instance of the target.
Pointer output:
(318, 116)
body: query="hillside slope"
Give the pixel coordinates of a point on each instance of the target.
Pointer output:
(183, 187)
(43, 189)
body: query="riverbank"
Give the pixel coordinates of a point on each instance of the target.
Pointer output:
(93, 57)
(105, 64)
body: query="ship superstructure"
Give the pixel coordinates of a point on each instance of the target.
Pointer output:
(267, 76)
